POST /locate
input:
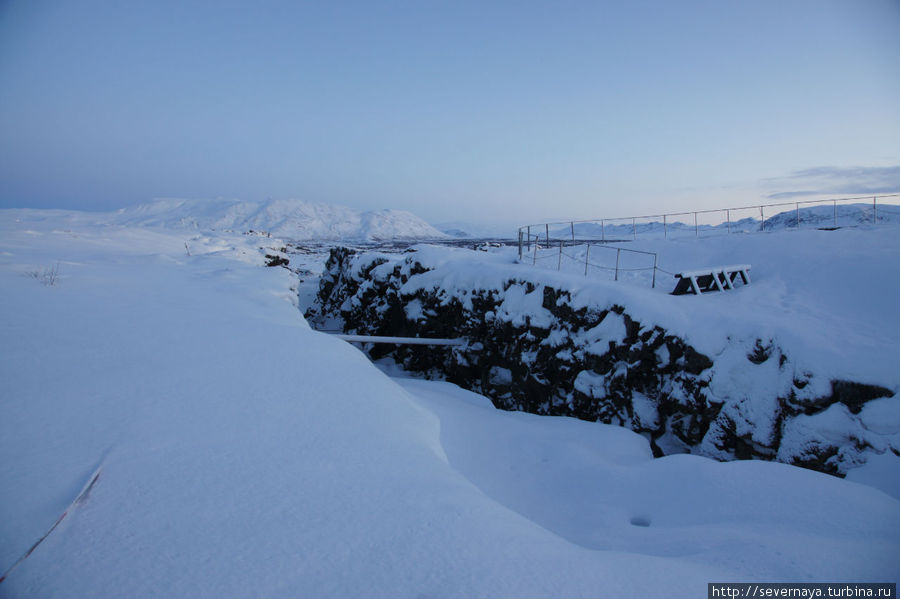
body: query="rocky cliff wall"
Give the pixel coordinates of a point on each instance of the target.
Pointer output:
(535, 347)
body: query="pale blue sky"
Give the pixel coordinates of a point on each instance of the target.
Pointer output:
(454, 110)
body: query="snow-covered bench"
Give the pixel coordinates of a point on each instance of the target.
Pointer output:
(711, 279)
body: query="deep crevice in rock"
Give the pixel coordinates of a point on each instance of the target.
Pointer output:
(592, 362)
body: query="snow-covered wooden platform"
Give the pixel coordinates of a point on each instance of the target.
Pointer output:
(719, 278)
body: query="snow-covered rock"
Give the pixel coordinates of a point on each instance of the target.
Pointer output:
(695, 374)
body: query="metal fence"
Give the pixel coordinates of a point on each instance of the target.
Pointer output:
(595, 259)
(831, 213)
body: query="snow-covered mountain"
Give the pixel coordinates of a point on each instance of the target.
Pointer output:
(294, 219)
(478, 230)
(826, 216)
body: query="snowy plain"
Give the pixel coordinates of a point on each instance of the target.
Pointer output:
(243, 454)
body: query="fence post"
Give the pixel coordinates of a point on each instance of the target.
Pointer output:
(665, 228)
(534, 258)
(587, 256)
(618, 251)
(798, 215)
(547, 226)
(728, 219)
(529, 237)
(520, 244)
(874, 210)
(573, 232)
(762, 219)
(559, 265)
(696, 229)
(654, 272)
(633, 229)
(602, 230)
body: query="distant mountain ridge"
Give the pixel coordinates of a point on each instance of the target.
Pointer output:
(478, 230)
(294, 219)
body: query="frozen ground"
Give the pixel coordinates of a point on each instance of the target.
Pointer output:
(242, 454)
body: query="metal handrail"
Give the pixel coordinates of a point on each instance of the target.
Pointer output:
(710, 211)
(397, 340)
(526, 237)
(587, 257)
(525, 234)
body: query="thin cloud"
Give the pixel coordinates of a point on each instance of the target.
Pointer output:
(835, 180)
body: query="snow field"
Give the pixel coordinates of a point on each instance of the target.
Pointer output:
(599, 487)
(243, 454)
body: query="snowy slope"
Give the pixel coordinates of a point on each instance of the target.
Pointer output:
(821, 303)
(601, 490)
(243, 454)
(292, 219)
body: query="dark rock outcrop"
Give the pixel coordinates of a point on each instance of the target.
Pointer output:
(532, 348)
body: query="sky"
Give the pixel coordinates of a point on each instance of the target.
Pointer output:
(456, 111)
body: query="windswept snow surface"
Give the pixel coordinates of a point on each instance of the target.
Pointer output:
(243, 454)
